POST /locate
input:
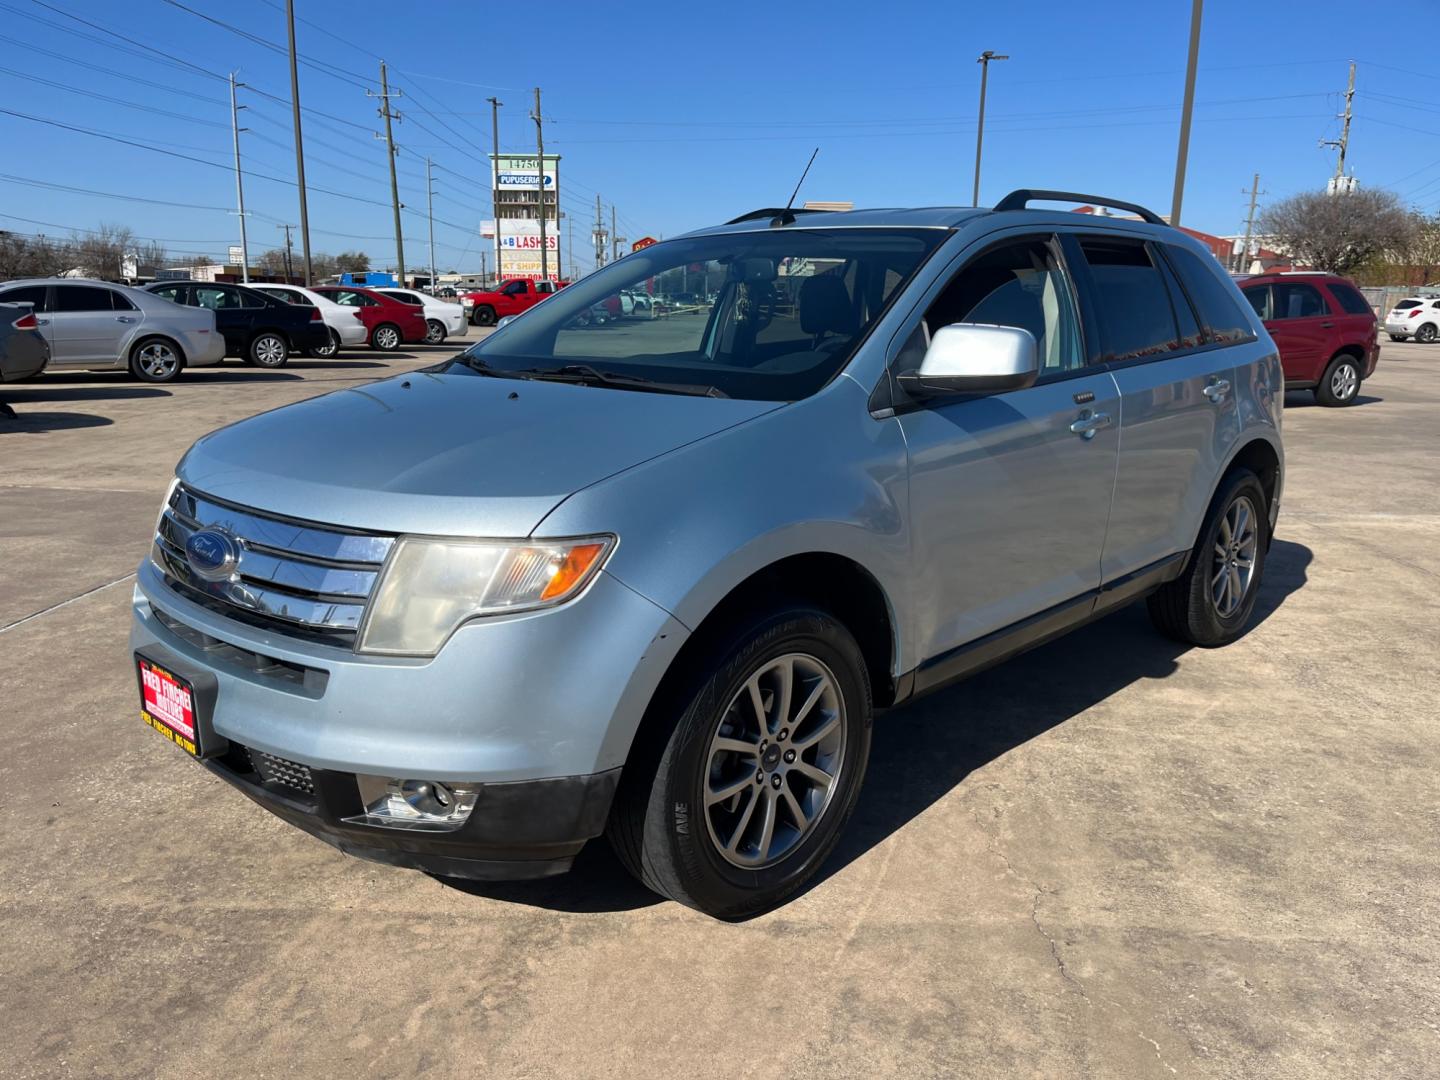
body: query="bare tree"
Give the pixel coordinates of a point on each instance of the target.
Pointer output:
(33, 256)
(272, 261)
(101, 251)
(1424, 250)
(351, 262)
(1338, 232)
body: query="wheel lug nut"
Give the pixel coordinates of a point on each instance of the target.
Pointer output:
(784, 734)
(764, 745)
(789, 756)
(760, 777)
(775, 780)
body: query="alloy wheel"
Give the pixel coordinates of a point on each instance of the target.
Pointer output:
(1344, 381)
(387, 338)
(1233, 568)
(774, 762)
(158, 360)
(269, 351)
(329, 349)
(434, 333)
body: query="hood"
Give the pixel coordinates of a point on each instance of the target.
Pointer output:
(448, 454)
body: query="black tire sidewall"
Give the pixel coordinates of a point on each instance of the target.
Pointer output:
(435, 328)
(380, 331)
(1205, 621)
(139, 372)
(327, 352)
(675, 827)
(1429, 339)
(485, 315)
(1325, 395)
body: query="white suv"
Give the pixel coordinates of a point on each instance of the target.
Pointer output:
(1415, 316)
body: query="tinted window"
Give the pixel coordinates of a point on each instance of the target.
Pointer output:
(28, 294)
(1016, 285)
(349, 298)
(172, 293)
(82, 298)
(1406, 305)
(1295, 301)
(121, 302)
(1132, 299)
(1213, 299)
(516, 287)
(1259, 298)
(1350, 299)
(207, 296)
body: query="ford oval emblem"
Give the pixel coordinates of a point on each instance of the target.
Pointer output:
(212, 554)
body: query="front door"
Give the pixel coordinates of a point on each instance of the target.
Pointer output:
(86, 327)
(1009, 492)
(232, 320)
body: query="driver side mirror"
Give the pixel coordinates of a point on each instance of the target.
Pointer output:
(971, 358)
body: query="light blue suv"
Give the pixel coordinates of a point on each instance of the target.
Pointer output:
(654, 577)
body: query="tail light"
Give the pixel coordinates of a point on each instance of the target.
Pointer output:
(315, 315)
(357, 315)
(26, 322)
(1414, 313)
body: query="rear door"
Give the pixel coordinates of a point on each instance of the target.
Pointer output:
(1301, 322)
(87, 328)
(1178, 416)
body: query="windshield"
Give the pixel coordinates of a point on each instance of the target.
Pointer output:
(768, 316)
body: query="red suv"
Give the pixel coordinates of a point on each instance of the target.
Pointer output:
(388, 321)
(1324, 328)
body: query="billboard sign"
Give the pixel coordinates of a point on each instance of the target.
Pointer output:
(518, 172)
(642, 243)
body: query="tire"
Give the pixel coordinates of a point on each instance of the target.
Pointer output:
(1189, 609)
(156, 360)
(1397, 337)
(268, 350)
(434, 332)
(386, 337)
(714, 855)
(1340, 384)
(326, 352)
(483, 315)
(1427, 334)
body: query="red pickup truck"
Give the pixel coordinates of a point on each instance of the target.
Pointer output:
(511, 298)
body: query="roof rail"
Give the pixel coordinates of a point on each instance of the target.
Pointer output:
(1018, 200)
(776, 211)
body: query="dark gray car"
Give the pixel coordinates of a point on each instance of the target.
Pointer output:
(23, 352)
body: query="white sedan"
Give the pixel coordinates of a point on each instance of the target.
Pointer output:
(441, 317)
(346, 329)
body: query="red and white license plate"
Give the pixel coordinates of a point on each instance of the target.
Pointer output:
(167, 704)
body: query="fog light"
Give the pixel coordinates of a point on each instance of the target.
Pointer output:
(426, 805)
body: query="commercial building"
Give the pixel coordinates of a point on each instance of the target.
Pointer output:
(523, 191)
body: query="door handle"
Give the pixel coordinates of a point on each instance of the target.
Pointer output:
(124, 318)
(42, 322)
(1327, 326)
(1089, 423)
(1217, 390)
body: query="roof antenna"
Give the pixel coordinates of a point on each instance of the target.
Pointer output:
(787, 216)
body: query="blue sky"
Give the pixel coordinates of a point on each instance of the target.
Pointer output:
(682, 115)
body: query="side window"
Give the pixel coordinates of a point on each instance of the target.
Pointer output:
(1259, 297)
(171, 293)
(1350, 299)
(515, 288)
(120, 302)
(1213, 299)
(1132, 299)
(1017, 284)
(28, 294)
(1296, 301)
(77, 298)
(215, 299)
(249, 298)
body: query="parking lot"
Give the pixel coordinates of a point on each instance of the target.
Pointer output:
(1111, 857)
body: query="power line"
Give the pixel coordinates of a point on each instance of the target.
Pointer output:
(169, 57)
(108, 98)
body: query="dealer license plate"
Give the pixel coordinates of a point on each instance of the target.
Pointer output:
(167, 704)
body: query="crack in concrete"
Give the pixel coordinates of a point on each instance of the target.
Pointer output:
(64, 603)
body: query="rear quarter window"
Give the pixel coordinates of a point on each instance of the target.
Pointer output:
(1214, 300)
(1350, 299)
(1133, 299)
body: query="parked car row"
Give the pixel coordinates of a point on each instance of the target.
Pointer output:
(157, 331)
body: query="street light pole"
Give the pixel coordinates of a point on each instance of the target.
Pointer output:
(299, 143)
(235, 130)
(1184, 152)
(495, 104)
(984, 62)
(540, 185)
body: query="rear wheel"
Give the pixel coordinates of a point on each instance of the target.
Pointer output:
(1427, 334)
(386, 337)
(269, 350)
(326, 351)
(1211, 602)
(1340, 383)
(733, 807)
(155, 360)
(434, 332)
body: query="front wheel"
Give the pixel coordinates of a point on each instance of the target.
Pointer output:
(386, 338)
(434, 332)
(1340, 383)
(734, 807)
(269, 350)
(1212, 601)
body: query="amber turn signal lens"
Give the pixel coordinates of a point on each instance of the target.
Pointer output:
(572, 570)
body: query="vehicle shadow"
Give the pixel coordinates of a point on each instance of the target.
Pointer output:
(326, 364)
(32, 392)
(34, 423)
(923, 751)
(1304, 399)
(206, 376)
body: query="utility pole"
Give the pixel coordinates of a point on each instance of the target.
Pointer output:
(599, 236)
(289, 269)
(1183, 153)
(385, 111)
(484, 269)
(430, 213)
(239, 184)
(570, 242)
(1343, 143)
(299, 142)
(984, 62)
(495, 104)
(614, 236)
(540, 184)
(1255, 194)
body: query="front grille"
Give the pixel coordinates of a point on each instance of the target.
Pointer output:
(304, 680)
(278, 770)
(298, 578)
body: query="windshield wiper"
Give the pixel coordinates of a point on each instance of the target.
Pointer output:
(480, 367)
(585, 374)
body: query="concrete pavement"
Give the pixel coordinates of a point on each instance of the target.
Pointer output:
(1111, 857)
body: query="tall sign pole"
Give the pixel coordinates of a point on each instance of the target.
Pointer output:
(430, 213)
(1184, 152)
(540, 184)
(495, 104)
(299, 144)
(239, 184)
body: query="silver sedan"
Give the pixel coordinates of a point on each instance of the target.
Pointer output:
(98, 325)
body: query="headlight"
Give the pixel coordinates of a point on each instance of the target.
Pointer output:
(429, 587)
